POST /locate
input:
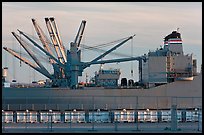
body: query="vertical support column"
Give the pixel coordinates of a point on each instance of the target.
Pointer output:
(50, 115)
(111, 113)
(159, 116)
(3, 120)
(38, 116)
(174, 118)
(136, 119)
(15, 116)
(63, 117)
(116, 122)
(199, 119)
(136, 115)
(93, 118)
(115, 115)
(87, 116)
(70, 117)
(74, 77)
(92, 113)
(183, 115)
(26, 126)
(140, 71)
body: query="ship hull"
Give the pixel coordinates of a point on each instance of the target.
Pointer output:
(183, 92)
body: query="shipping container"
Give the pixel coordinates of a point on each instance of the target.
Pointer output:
(56, 116)
(44, 116)
(75, 116)
(141, 116)
(32, 116)
(99, 116)
(22, 116)
(7, 116)
(166, 115)
(153, 116)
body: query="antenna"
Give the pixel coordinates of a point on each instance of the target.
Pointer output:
(177, 30)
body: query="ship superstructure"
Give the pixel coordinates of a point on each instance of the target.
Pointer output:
(167, 64)
(107, 78)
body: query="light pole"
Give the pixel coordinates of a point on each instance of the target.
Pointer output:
(3, 118)
(124, 115)
(70, 117)
(99, 115)
(93, 119)
(73, 117)
(50, 113)
(26, 118)
(136, 115)
(148, 115)
(174, 118)
(116, 122)
(197, 113)
(136, 119)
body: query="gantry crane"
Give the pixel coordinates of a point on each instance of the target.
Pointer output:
(67, 64)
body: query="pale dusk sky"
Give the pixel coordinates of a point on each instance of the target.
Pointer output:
(106, 22)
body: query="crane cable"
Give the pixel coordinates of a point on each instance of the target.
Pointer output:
(85, 47)
(20, 50)
(13, 60)
(132, 56)
(97, 47)
(51, 45)
(39, 54)
(102, 50)
(105, 44)
(33, 48)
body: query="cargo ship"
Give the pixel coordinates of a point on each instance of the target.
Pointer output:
(167, 72)
(167, 76)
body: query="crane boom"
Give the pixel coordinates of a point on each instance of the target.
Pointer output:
(55, 40)
(80, 33)
(110, 50)
(67, 63)
(58, 34)
(25, 45)
(43, 39)
(34, 43)
(114, 60)
(27, 62)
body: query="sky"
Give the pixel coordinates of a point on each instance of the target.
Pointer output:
(106, 22)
